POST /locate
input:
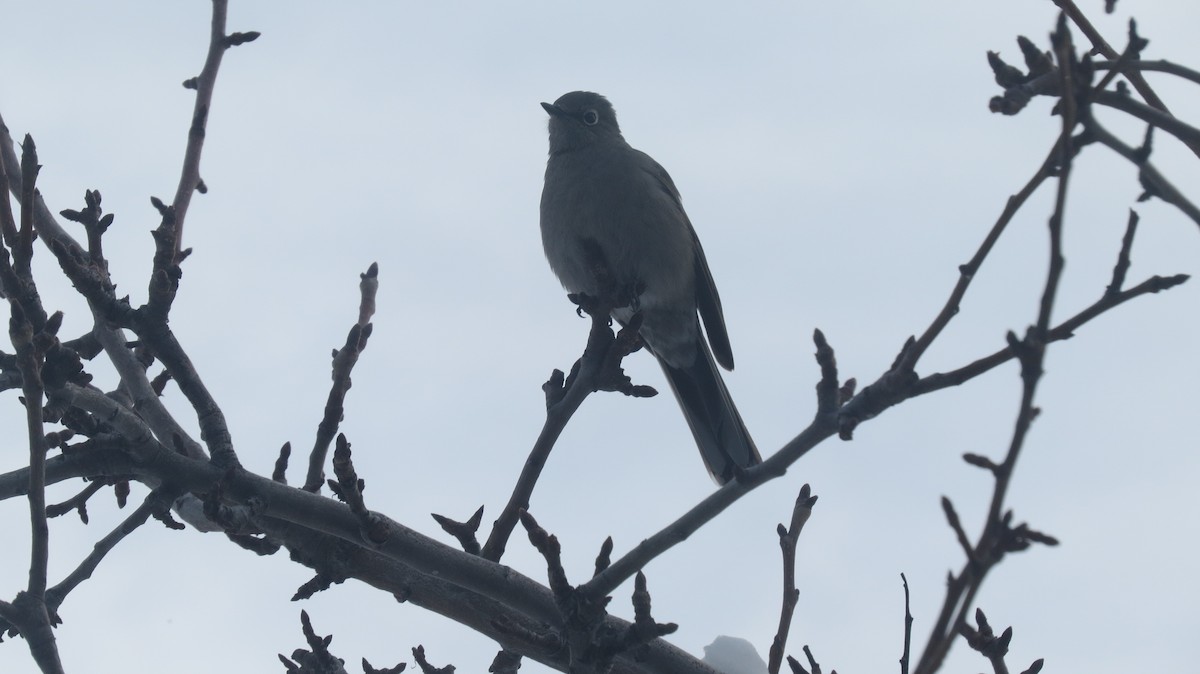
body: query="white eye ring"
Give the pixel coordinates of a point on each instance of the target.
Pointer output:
(591, 118)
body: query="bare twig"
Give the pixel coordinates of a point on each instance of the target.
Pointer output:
(31, 334)
(319, 658)
(960, 534)
(279, 474)
(8, 223)
(627, 565)
(968, 270)
(1065, 330)
(426, 668)
(908, 621)
(788, 537)
(1151, 179)
(189, 179)
(156, 501)
(1187, 133)
(344, 360)
(464, 532)
(76, 502)
(591, 647)
(814, 666)
(598, 369)
(984, 640)
(998, 536)
(828, 400)
(1123, 257)
(349, 488)
(1161, 65)
(1101, 46)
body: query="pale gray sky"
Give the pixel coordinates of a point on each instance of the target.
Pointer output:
(837, 159)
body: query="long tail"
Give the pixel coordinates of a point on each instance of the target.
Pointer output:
(720, 433)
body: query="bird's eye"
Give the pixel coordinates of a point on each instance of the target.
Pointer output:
(590, 117)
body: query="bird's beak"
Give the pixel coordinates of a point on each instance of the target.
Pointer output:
(553, 110)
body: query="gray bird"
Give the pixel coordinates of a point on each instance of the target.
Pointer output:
(612, 222)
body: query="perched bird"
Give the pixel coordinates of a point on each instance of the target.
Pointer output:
(612, 222)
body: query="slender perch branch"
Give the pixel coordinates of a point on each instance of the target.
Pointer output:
(998, 536)
(788, 537)
(189, 178)
(598, 369)
(344, 360)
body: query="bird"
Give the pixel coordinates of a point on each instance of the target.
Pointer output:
(612, 218)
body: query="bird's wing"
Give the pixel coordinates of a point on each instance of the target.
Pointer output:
(710, 308)
(707, 299)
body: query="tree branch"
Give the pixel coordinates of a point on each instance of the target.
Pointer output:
(788, 537)
(344, 360)
(189, 178)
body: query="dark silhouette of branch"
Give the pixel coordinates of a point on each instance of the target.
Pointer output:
(984, 640)
(813, 666)
(128, 434)
(77, 502)
(189, 178)
(788, 537)
(133, 375)
(464, 532)
(1155, 184)
(1101, 46)
(344, 360)
(1044, 79)
(1065, 330)
(426, 668)
(591, 647)
(999, 536)
(968, 270)
(1187, 133)
(318, 660)
(1160, 65)
(157, 501)
(599, 369)
(908, 622)
(505, 663)
(33, 336)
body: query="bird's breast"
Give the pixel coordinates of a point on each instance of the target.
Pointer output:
(599, 204)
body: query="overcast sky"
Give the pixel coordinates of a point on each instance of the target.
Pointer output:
(838, 161)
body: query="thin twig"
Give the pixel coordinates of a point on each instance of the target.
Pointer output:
(133, 374)
(76, 502)
(31, 333)
(1065, 330)
(1187, 133)
(1153, 181)
(30, 364)
(1123, 257)
(1101, 46)
(1160, 65)
(788, 537)
(155, 500)
(1030, 351)
(908, 621)
(563, 398)
(189, 178)
(8, 223)
(967, 271)
(25, 337)
(344, 360)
